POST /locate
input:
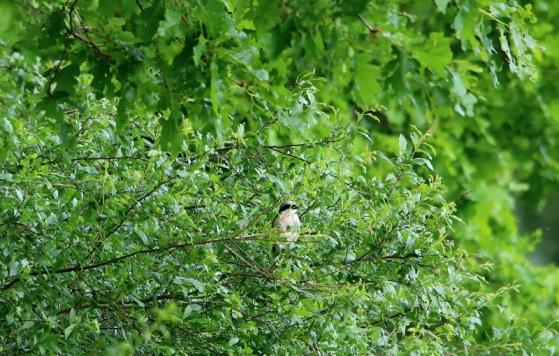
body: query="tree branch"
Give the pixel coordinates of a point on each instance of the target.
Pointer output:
(80, 267)
(130, 208)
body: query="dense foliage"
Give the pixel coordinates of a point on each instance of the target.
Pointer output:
(95, 242)
(147, 145)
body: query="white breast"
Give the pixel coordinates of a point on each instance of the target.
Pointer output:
(289, 223)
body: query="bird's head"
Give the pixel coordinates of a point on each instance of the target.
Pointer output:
(288, 205)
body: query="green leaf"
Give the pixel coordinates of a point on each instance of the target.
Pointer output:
(7, 126)
(424, 161)
(466, 101)
(169, 27)
(171, 135)
(367, 81)
(352, 7)
(141, 234)
(199, 50)
(52, 110)
(28, 324)
(435, 53)
(217, 19)
(261, 74)
(196, 284)
(170, 51)
(403, 143)
(267, 16)
(66, 79)
(442, 5)
(6, 176)
(69, 330)
(14, 268)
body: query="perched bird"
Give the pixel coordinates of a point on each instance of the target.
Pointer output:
(288, 221)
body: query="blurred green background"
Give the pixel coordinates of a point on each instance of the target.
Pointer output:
(545, 219)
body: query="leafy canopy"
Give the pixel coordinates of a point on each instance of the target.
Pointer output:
(110, 242)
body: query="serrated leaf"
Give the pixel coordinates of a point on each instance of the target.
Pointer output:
(217, 19)
(169, 27)
(435, 53)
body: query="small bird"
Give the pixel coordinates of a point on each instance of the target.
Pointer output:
(288, 221)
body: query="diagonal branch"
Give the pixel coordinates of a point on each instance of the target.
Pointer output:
(123, 219)
(177, 246)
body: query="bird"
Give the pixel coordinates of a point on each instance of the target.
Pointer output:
(288, 221)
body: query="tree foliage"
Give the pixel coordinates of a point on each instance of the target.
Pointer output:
(146, 146)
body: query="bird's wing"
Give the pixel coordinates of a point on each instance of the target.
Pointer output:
(276, 221)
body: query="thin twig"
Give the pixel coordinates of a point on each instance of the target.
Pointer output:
(130, 208)
(106, 158)
(290, 155)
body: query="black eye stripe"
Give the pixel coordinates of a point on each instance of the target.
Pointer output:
(287, 206)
